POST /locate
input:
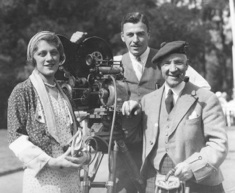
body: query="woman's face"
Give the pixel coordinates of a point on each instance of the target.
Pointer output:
(47, 58)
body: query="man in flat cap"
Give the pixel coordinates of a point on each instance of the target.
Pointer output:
(184, 130)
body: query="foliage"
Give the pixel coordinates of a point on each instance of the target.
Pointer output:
(201, 23)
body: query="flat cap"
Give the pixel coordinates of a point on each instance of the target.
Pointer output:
(170, 48)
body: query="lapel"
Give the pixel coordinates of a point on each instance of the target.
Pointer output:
(129, 71)
(157, 98)
(46, 105)
(183, 104)
(148, 69)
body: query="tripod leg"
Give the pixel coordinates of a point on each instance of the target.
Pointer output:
(98, 158)
(132, 169)
(111, 184)
(85, 184)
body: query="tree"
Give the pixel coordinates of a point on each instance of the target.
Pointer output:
(201, 23)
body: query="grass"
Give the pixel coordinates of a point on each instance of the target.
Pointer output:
(8, 161)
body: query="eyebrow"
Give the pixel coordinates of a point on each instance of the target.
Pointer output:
(179, 60)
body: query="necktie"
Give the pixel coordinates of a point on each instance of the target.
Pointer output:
(138, 58)
(169, 101)
(139, 67)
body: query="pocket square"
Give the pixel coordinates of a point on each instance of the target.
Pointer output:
(193, 115)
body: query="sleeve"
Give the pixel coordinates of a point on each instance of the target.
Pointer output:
(196, 78)
(214, 152)
(31, 155)
(16, 114)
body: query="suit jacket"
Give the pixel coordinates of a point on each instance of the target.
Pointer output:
(196, 132)
(150, 81)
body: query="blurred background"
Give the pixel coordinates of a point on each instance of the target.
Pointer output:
(206, 25)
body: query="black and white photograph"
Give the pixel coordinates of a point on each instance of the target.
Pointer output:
(117, 96)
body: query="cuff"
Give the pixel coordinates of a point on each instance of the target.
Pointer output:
(31, 155)
(200, 168)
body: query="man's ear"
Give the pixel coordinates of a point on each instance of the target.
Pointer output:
(122, 36)
(149, 35)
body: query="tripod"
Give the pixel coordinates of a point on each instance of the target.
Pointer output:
(117, 146)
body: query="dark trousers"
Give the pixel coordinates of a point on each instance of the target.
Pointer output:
(125, 184)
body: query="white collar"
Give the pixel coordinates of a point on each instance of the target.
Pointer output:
(176, 90)
(143, 56)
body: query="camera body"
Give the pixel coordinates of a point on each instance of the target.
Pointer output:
(95, 85)
(89, 74)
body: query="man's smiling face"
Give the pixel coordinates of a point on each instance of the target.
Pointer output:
(135, 36)
(173, 68)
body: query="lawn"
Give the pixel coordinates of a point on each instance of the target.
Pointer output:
(8, 162)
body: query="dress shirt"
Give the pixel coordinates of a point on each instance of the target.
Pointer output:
(139, 65)
(176, 90)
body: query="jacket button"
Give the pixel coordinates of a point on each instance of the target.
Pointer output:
(151, 143)
(200, 157)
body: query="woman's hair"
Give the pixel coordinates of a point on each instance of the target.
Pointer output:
(47, 36)
(135, 17)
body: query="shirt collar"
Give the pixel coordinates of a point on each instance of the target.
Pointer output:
(176, 90)
(143, 57)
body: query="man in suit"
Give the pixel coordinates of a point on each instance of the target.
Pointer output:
(183, 126)
(142, 77)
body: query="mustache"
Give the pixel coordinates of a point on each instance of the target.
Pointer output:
(136, 45)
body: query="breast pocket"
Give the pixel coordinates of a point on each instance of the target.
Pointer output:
(196, 121)
(193, 129)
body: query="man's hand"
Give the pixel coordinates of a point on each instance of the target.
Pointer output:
(77, 36)
(183, 171)
(131, 106)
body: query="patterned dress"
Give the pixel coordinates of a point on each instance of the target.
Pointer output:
(49, 180)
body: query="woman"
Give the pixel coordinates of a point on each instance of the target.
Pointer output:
(41, 122)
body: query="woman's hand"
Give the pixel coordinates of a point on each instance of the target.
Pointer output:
(66, 163)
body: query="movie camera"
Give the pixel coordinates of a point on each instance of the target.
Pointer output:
(88, 73)
(94, 83)
(97, 88)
